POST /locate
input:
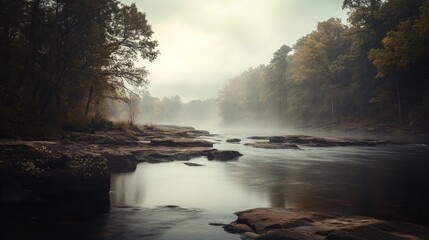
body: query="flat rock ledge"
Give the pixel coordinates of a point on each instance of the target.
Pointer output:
(180, 142)
(282, 224)
(295, 141)
(41, 169)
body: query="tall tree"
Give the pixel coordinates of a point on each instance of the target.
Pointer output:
(405, 49)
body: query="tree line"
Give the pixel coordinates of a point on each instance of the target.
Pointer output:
(147, 109)
(374, 68)
(63, 58)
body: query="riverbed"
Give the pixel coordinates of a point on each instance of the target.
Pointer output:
(175, 201)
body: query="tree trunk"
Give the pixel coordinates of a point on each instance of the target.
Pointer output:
(332, 110)
(6, 52)
(31, 49)
(89, 101)
(398, 98)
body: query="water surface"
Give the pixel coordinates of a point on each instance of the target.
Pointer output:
(175, 201)
(387, 182)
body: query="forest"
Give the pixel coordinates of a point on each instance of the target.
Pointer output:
(71, 61)
(147, 109)
(60, 60)
(373, 69)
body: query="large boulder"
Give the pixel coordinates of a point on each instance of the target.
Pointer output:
(278, 223)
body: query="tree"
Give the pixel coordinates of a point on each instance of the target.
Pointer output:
(63, 57)
(403, 48)
(275, 82)
(314, 64)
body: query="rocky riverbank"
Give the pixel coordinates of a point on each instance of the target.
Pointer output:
(279, 224)
(80, 162)
(295, 141)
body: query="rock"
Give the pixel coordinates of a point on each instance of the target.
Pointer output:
(249, 235)
(294, 141)
(111, 138)
(180, 142)
(269, 145)
(223, 155)
(178, 131)
(50, 169)
(217, 224)
(281, 234)
(119, 163)
(156, 154)
(198, 133)
(233, 140)
(276, 139)
(237, 228)
(278, 223)
(258, 138)
(193, 164)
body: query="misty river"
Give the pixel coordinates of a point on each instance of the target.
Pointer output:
(176, 201)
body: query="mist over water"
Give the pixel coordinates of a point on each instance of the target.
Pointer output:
(386, 182)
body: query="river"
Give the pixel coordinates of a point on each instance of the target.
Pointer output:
(387, 182)
(175, 201)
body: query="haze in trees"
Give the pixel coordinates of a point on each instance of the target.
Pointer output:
(147, 109)
(74, 60)
(61, 59)
(373, 69)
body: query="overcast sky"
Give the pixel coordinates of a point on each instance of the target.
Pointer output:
(204, 43)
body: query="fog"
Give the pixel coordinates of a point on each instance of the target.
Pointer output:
(205, 43)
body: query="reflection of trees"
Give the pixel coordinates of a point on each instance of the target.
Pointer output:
(382, 183)
(127, 189)
(277, 196)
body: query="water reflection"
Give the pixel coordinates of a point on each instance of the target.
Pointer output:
(126, 190)
(386, 182)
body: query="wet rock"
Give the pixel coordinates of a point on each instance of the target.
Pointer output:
(193, 164)
(270, 145)
(159, 154)
(258, 137)
(223, 155)
(198, 133)
(237, 228)
(294, 141)
(281, 234)
(180, 142)
(276, 139)
(233, 140)
(278, 223)
(249, 235)
(217, 224)
(119, 163)
(178, 131)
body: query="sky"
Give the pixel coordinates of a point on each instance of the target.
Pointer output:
(204, 43)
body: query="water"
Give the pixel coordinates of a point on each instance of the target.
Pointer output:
(387, 182)
(176, 201)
